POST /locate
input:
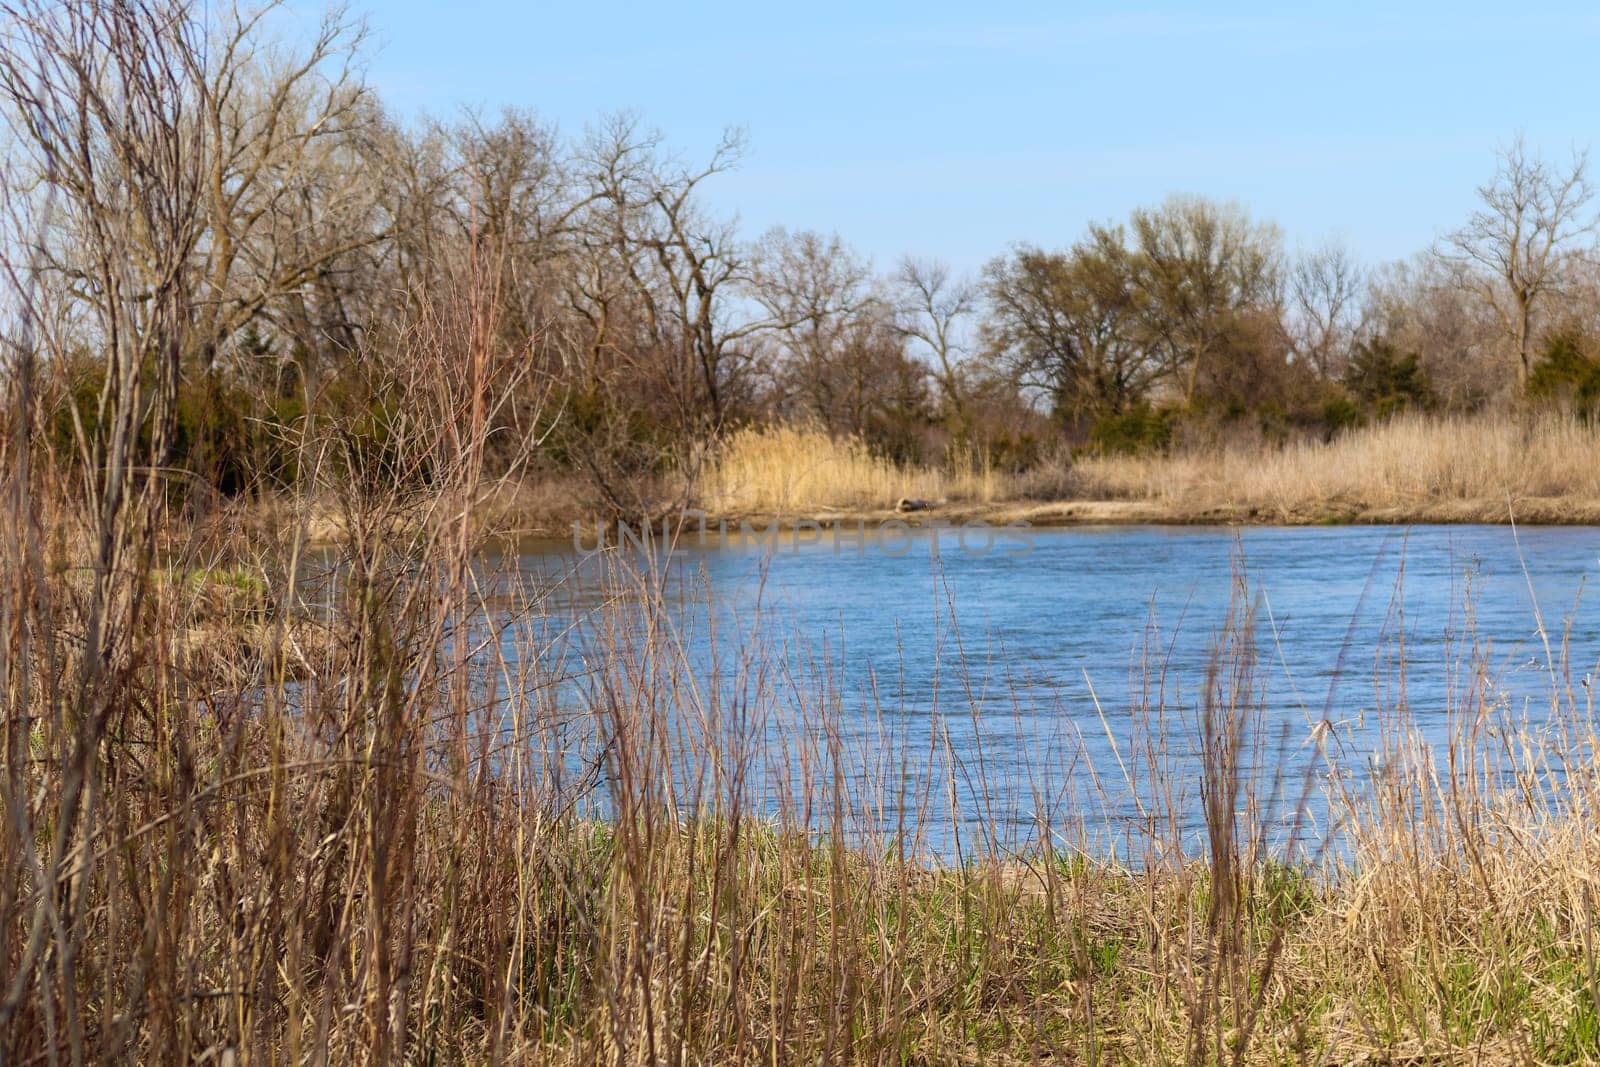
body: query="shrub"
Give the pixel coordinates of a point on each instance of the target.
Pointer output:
(1340, 412)
(1566, 376)
(1139, 429)
(228, 437)
(1385, 380)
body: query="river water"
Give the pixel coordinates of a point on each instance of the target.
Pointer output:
(985, 692)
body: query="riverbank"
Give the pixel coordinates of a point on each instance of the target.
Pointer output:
(1408, 471)
(1412, 470)
(1527, 511)
(506, 515)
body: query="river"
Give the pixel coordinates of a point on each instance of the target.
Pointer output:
(980, 693)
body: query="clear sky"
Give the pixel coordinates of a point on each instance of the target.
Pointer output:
(955, 130)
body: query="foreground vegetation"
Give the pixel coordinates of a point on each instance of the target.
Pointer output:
(410, 820)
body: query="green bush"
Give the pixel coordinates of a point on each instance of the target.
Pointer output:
(1340, 412)
(228, 436)
(1139, 429)
(1384, 380)
(1566, 376)
(234, 440)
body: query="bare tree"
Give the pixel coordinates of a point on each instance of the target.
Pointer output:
(662, 354)
(646, 229)
(1427, 305)
(274, 148)
(876, 392)
(1520, 242)
(97, 98)
(1324, 314)
(935, 308)
(816, 293)
(293, 181)
(501, 185)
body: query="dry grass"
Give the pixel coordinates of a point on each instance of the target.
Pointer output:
(1410, 468)
(787, 470)
(1397, 464)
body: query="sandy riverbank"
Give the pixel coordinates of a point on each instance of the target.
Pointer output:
(1530, 511)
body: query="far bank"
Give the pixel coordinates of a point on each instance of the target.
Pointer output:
(1412, 470)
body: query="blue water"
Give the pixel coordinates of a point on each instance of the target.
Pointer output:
(983, 699)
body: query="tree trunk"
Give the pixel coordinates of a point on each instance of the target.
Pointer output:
(1524, 356)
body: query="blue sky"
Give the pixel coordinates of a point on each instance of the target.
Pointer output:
(956, 130)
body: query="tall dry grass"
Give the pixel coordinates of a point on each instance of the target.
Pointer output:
(1403, 466)
(1402, 462)
(799, 470)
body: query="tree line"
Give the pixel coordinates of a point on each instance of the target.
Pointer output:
(223, 236)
